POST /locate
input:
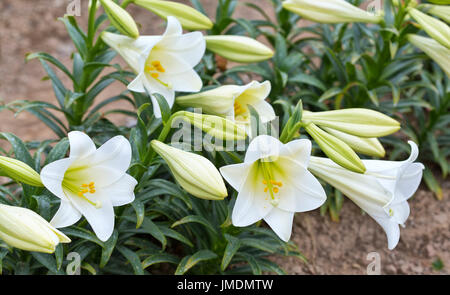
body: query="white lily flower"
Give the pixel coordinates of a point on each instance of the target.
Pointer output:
(163, 64)
(382, 191)
(232, 101)
(274, 183)
(90, 182)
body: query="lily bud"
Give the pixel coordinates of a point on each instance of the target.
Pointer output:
(189, 18)
(120, 18)
(437, 29)
(443, 12)
(24, 229)
(196, 174)
(365, 146)
(19, 171)
(330, 11)
(336, 149)
(216, 126)
(440, 54)
(218, 101)
(355, 121)
(238, 48)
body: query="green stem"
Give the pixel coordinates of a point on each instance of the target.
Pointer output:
(126, 3)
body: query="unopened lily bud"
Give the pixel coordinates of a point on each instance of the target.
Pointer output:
(365, 146)
(19, 171)
(440, 54)
(196, 174)
(238, 48)
(355, 121)
(330, 11)
(120, 18)
(443, 12)
(218, 101)
(189, 18)
(437, 29)
(215, 126)
(24, 229)
(336, 149)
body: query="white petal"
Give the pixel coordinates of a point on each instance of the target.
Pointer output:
(301, 191)
(408, 181)
(236, 174)
(81, 145)
(189, 47)
(188, 81)
(102, 176)
(171, 62)
(66, 215)
(299, 150)
(137, 85)
(251, 204)
(114, 154)
(101, 219)
(281, 222)
(401, 212)
(173, 27)
(263, 146)
(392, 230)
(52, 176)
(264, 110)
(121, 192)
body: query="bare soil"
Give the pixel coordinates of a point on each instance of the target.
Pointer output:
(331, 248)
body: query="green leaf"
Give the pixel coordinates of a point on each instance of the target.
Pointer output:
(196, 219)
(139, 208)
(20, 150)
(159, 258)
(307, 79)
(231, 249)
(83, 234)
(133, 258)
(190, 261)
(108, 249)
(164, 106)
(432, 183)
(46, 260)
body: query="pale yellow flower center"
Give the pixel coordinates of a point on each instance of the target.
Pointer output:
(154, 68)
(82, 190)
(272, 186)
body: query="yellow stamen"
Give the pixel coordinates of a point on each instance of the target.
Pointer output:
(272, 186)
(84, 185)
(156, 63)
(155, 75)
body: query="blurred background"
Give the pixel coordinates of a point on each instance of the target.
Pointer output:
(331, 247)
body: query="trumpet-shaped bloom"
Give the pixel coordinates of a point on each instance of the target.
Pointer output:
(274, 183)
(232, 101)
(26, 230)
(164, 64)
(382, 191)
(90, 182)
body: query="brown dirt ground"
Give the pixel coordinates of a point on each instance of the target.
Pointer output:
(331, 248)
